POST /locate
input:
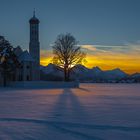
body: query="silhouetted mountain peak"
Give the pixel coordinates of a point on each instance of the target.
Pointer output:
(51, 65)
(96, 69)
(135, 75)
(119, 71)
(85, 74)
(80, 66)
(49, 68)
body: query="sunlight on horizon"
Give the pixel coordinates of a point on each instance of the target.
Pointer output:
(124, 64)
(125, 57)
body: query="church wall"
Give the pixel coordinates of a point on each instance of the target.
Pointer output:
(27, 71)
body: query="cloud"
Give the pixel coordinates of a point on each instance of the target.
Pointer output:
(97, 49)
(46, 53)
(88, 47)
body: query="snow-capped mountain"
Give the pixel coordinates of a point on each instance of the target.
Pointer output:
(136, 75)
(114, 74)
(96, 70)
(80, 72)
(97, 74)
(49, 69)
(51, 72)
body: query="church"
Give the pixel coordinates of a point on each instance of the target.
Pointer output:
(30, 61)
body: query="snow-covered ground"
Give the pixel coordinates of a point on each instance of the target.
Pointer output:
(92, 112)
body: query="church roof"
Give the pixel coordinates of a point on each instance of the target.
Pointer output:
(18, 51)
(25, 56)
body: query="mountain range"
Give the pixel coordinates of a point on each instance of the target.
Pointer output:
(81, 73)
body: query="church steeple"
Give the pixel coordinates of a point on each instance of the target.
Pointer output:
(34, 13)
(34, 45)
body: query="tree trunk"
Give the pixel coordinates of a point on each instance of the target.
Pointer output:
(66, 77)
(65, 74)
(68, 74)
(4, 76)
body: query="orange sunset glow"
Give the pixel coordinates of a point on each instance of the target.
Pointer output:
(126, 57)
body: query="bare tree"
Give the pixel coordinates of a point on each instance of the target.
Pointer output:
(67, 53)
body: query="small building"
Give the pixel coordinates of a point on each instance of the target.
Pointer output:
(25, 71)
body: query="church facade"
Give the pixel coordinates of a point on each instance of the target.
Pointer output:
(29, 60)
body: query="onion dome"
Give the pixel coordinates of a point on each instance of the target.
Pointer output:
(34, 20)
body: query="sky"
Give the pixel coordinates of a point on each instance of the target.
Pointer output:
(107, 30)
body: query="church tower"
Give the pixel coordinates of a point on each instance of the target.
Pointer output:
(34, 47)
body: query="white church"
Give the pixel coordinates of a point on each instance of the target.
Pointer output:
(30, 61)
